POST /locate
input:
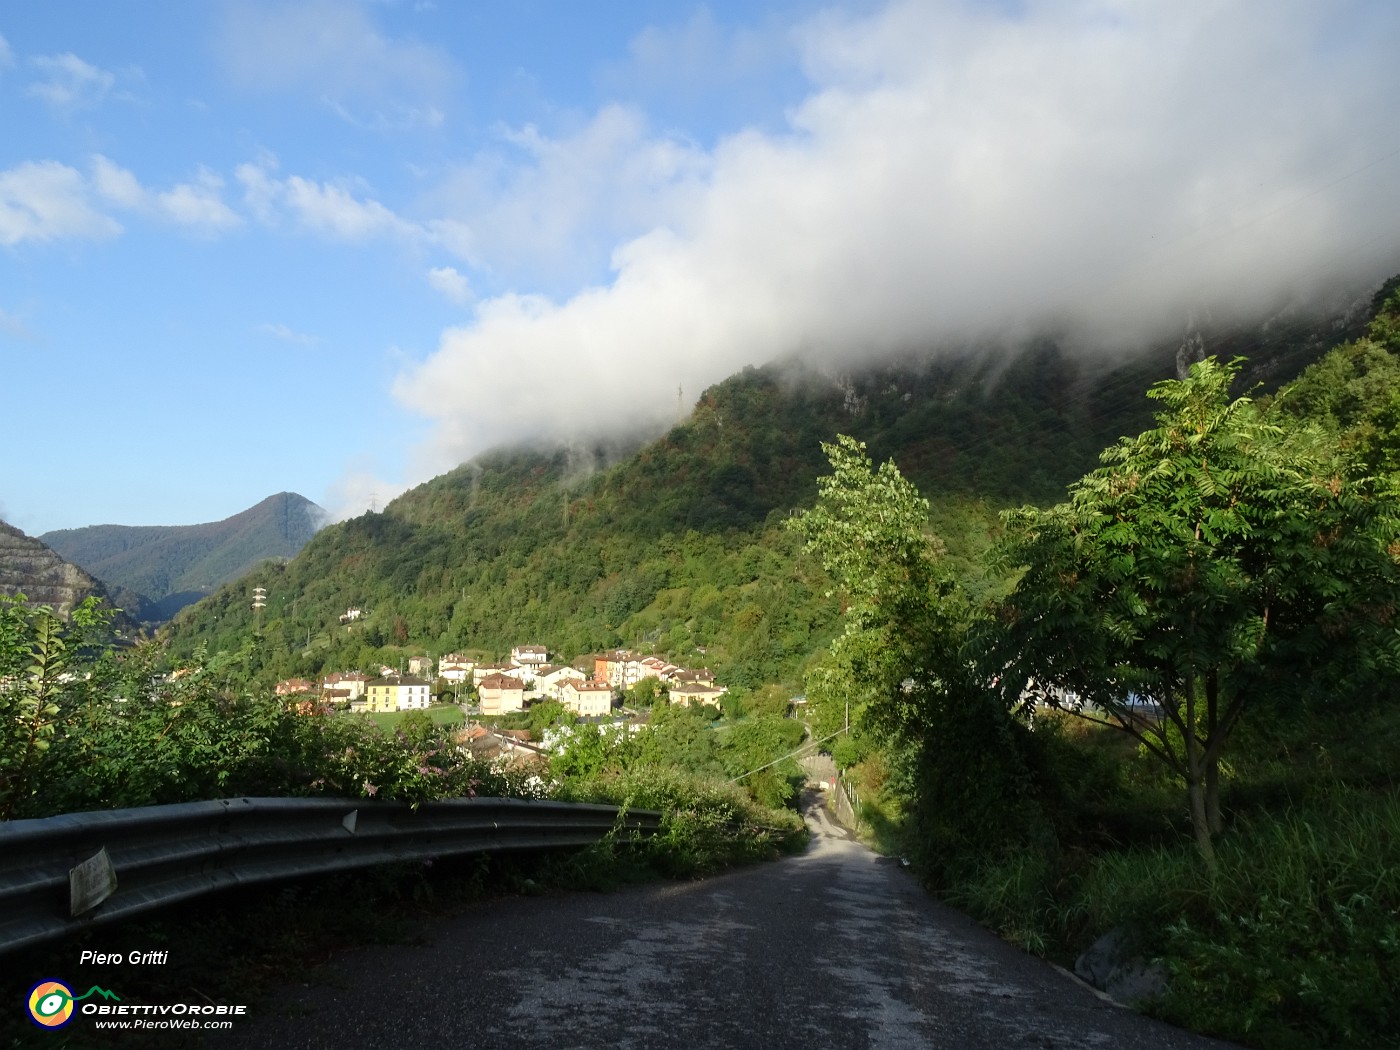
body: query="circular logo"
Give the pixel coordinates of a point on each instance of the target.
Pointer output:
(50, 1004)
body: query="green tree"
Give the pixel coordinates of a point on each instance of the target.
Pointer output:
(543, 714)
(902, 618)
(590, 751)
(1211, 564)
(645, 693)
(680, 737)
(757, 751)
(417, 729)
(44, 681)
(902, 664)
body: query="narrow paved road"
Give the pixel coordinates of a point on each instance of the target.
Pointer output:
(838, 948)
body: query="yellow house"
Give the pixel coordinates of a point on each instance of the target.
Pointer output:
(397, 694)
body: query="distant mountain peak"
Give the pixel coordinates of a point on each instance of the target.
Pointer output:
(170, 566)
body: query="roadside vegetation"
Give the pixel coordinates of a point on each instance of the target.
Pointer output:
(1173, 716)
(91, 727)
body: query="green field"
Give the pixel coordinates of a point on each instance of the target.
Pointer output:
(442, 714)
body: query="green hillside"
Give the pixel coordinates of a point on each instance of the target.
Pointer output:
(165, 567)
(678, 547)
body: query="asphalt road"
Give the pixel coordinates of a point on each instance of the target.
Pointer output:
(836, 948)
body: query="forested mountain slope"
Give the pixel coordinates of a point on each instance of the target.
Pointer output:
(678, 546)
(169, 566)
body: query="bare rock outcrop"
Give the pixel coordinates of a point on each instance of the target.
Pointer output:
(30, 568)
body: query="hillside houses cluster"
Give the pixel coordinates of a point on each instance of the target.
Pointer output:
(586, 688)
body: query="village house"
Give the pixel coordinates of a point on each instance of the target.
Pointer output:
(603, 664)
(350, 616)
(400, 693)
(455, 667)
(703, 676)
(529, 657)
(586, 699)
(349, 686)
(500, 694)
(688, 693)
(620, 668)
(481, 672)
(294, 687)
(655, 667)
(550, 677)
(420, 666)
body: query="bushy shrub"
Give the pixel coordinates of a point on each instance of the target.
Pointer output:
(706, 825)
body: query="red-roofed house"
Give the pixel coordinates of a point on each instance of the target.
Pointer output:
(500, 693)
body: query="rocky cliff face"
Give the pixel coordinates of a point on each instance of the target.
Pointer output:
(28, 567)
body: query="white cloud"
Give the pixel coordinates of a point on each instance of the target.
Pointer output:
(196, 205)
(957, 172)
(45, 200)
(331, 209)
(334, 210)
(7, 56)
(260, 189)
(117, 184)
(551, 209)
(360, 489)
(287, 335)
(393, 118)
(70, 82)
(334, 54)
(199, 203)
(448, 282)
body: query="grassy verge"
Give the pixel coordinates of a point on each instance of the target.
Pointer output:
(1295, 944)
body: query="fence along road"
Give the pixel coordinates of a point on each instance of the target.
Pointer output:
(62, 874)
(834, 948)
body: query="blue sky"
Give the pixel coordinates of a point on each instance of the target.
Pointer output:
(337, 247)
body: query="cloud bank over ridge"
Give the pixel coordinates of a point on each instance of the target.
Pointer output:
(1097, 167)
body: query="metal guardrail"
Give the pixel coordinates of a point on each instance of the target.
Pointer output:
(65, 873)
(846, 802)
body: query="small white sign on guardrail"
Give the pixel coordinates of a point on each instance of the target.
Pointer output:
(91, 882)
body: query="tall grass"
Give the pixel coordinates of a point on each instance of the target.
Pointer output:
(1294, 944)
(1297, 944)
